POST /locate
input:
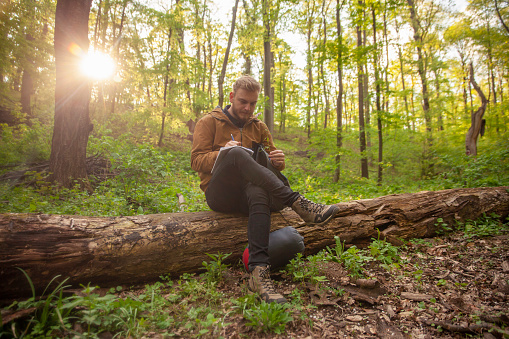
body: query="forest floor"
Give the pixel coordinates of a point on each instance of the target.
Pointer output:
(451, 286)
(448, 287)
(444, 287)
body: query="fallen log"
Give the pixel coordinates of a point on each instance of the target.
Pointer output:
(112, 251)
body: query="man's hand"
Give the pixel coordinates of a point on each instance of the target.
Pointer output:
(232, 143)
(277, 157)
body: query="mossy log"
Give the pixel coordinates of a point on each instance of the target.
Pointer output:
(129, 250)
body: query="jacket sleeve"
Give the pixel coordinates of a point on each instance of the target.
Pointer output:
(268, 142)
(202, 154)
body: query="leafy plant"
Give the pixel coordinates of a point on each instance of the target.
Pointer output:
(302, 270)
(419, 241)
(216, 267)
(353, 258)
(487, 225)
(418, 275)
(442, 227)
(441, 282)
(268, 317)
(383, 251)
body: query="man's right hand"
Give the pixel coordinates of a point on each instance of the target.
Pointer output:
(232, 143)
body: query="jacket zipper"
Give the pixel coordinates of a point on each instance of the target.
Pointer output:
(240, 128)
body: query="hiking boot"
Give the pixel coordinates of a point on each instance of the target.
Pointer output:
(313, 213)
(259, 282)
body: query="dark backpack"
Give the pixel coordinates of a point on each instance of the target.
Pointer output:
(261, 157)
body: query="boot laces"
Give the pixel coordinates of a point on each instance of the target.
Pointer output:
(311, 206)
(265, 280)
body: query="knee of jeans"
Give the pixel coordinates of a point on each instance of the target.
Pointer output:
(258, 199)
(238, 152)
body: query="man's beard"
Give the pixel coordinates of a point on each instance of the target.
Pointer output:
(240, 117)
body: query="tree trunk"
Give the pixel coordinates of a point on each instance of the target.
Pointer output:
(324, 83)
(268, 90)
(27, 89)
(220, 81)
(500, 17)
(476, 118)
(72, 94)
(427, 167)
(27, 83)
(111, 251)
(116, 56)
(378, 104)
(362, 126)
(282, 95)
(310, 12)
(168, 61)
(97, 24)
(339, 107)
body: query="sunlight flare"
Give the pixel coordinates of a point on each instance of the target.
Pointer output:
(98, 66)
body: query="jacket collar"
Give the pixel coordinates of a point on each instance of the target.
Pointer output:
(219, 114)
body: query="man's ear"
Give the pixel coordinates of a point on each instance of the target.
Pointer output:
(232, 95)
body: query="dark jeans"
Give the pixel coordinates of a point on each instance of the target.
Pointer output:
(239, 184)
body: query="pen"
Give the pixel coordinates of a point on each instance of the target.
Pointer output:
(232, 137)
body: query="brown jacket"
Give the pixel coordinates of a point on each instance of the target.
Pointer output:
(213, 131)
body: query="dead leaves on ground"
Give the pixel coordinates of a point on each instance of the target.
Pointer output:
(444, 288)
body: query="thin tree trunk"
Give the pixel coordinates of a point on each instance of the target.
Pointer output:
(165, 90)
(378, 105)
(220, 81)
(268, 111)
(427, 167)
(464, 84)
(367, 99)
(500, 17)
(117, 40)
(310, 83)
(325, 92)
(282, 91)
(437, 86)
(386, 70)
(476, 118)
(339, 100)
(97, 24)
(491, 71)
(362, 126)
(403, 85)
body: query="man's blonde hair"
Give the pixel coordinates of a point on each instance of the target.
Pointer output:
(248, 83)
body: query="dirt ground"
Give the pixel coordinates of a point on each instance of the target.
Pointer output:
(448, 287)
(443, 287)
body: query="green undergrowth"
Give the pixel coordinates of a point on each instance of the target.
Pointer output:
(191, 306)
(142, 179)
(205, 305)
(487, 225)
(145, 179)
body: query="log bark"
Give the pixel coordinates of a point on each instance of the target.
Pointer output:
(112, 251)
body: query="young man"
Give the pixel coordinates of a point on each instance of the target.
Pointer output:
(240, 184)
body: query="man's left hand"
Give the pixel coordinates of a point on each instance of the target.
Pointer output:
(277, 157)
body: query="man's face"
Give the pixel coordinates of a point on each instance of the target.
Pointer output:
(243, 104)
